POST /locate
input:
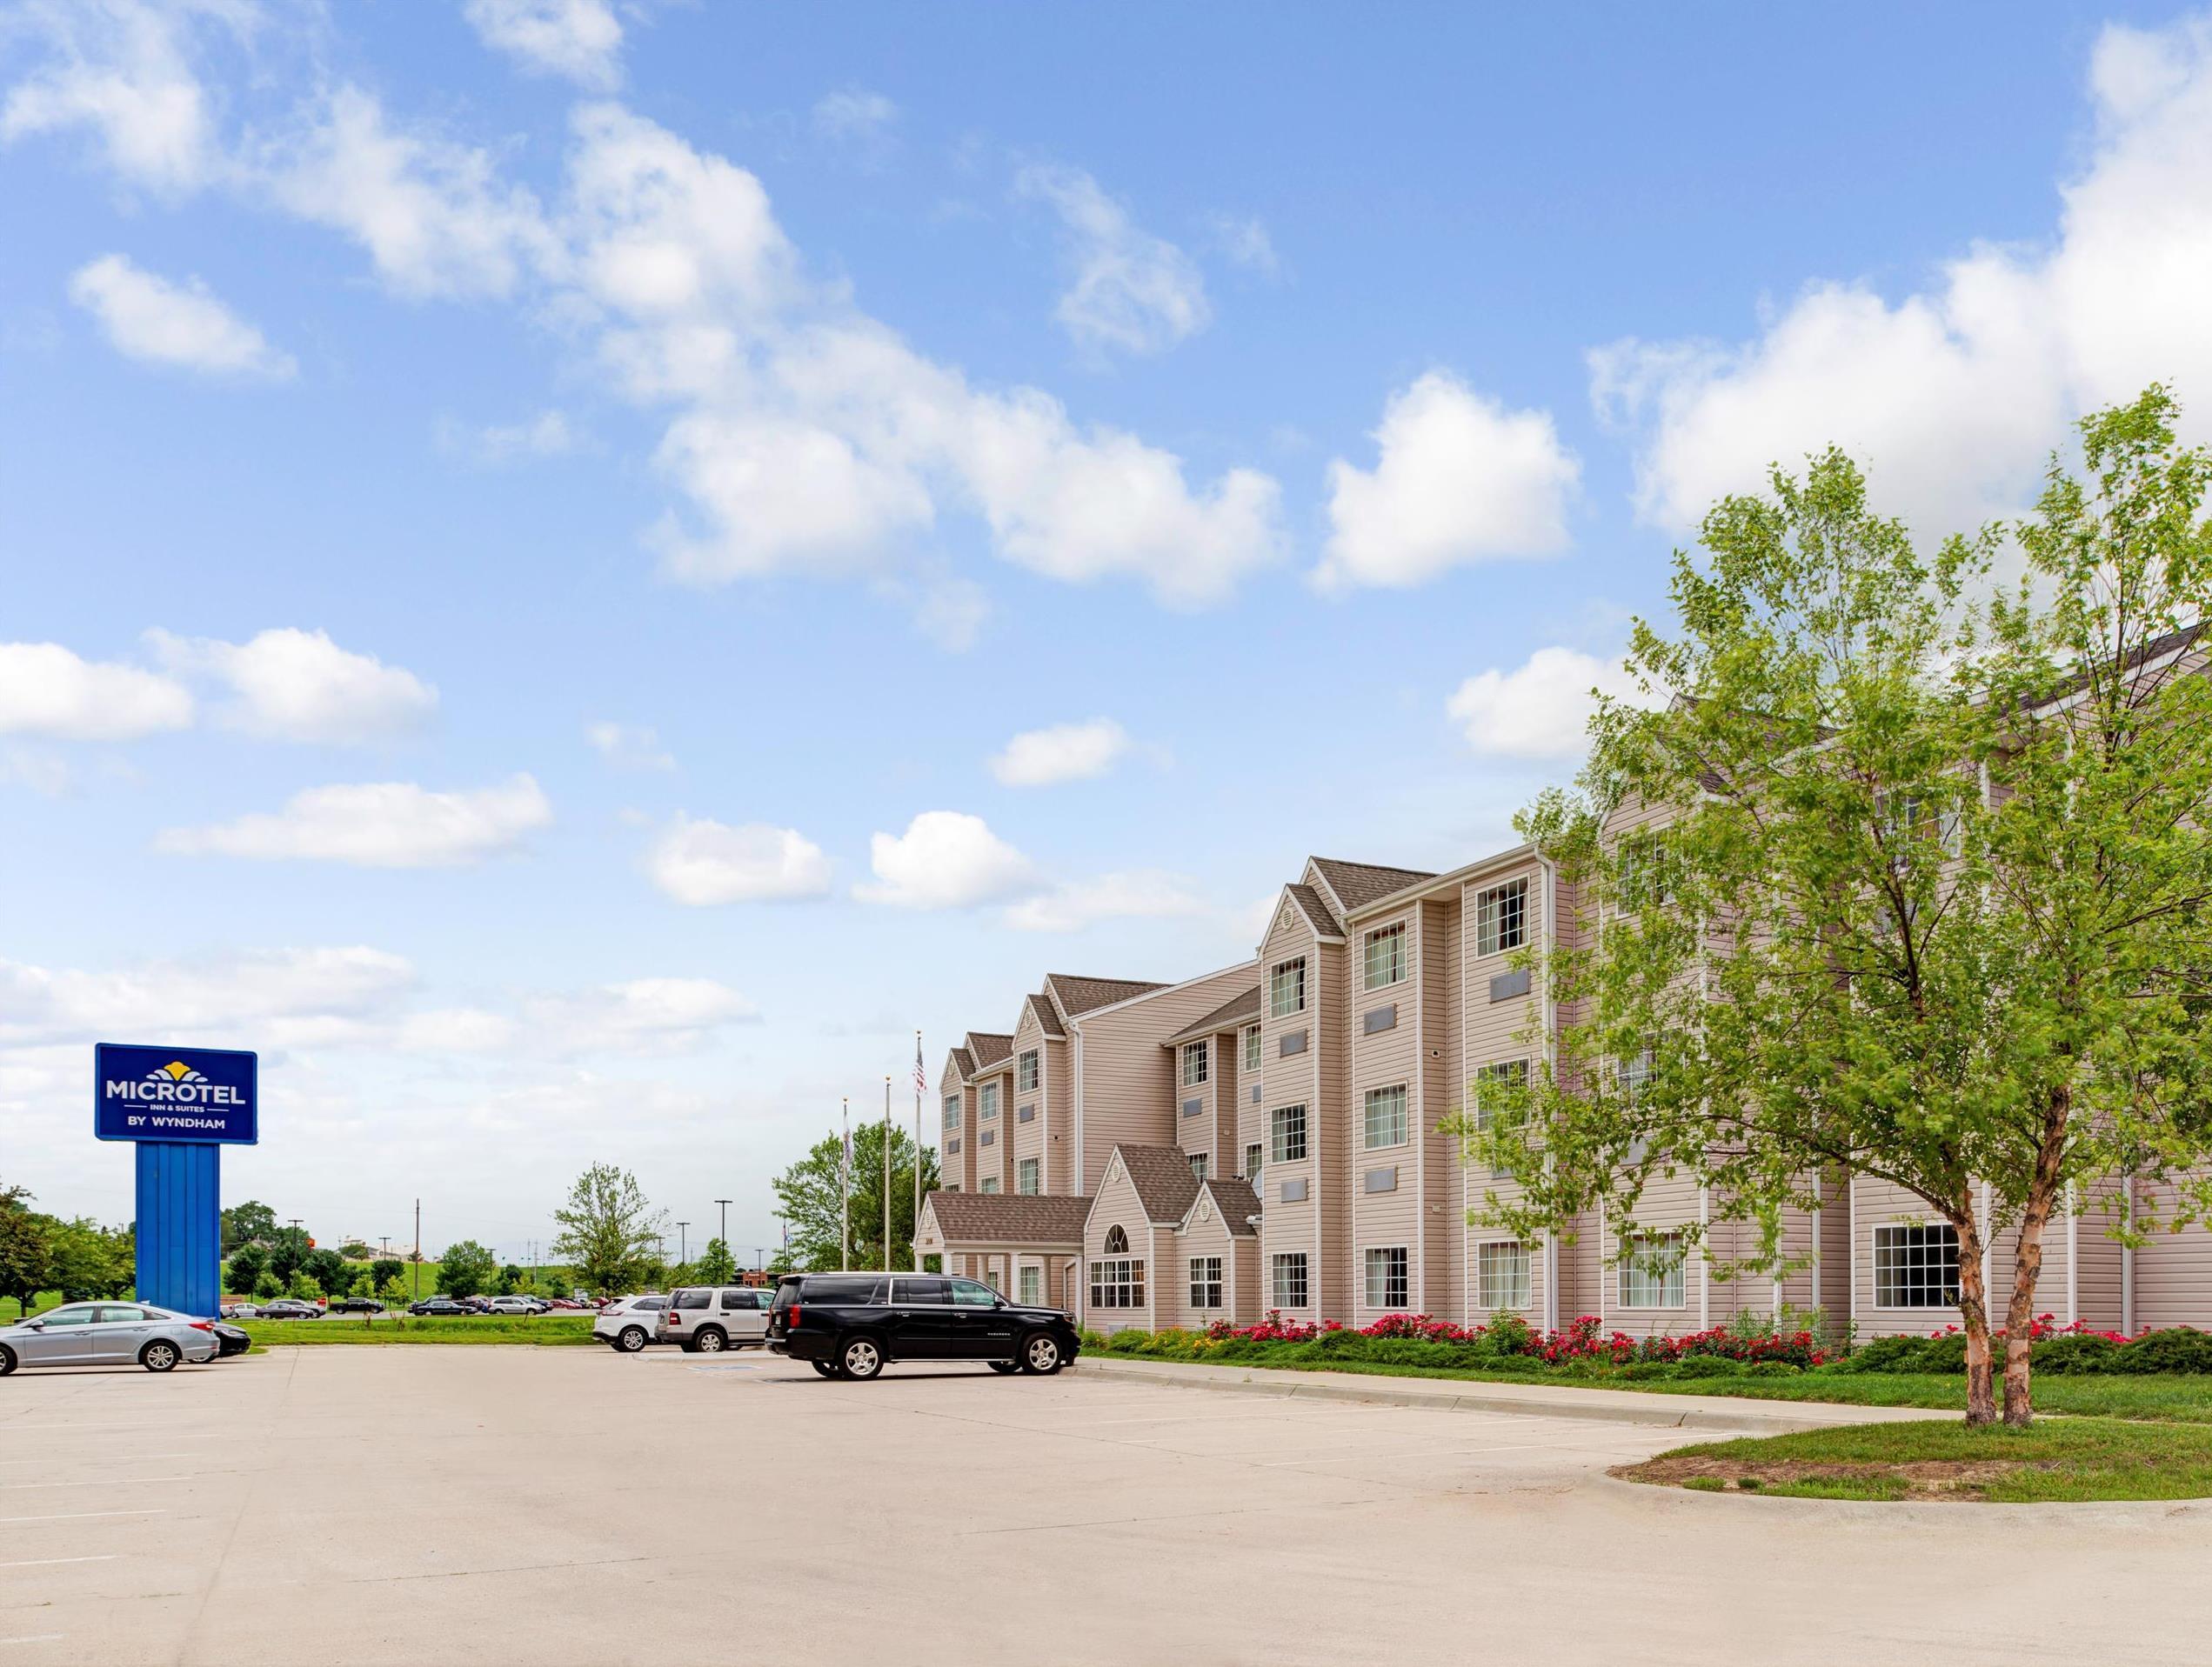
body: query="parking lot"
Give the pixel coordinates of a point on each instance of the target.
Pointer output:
(462, 1504)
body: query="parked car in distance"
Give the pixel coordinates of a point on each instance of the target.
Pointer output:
(439, 1305)
(569, 1304)
(708, 1319)
(230, 1340)
(237, 1310)
(515, 1305)
(357, 1305)
(854, 1324)
(106, 1334)
(288, 1308)
(626, 1323)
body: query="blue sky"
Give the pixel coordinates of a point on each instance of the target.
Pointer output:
(530, 530)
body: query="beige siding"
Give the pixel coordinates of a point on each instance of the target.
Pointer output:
(1441, 1058)
(1127, 1092)
(993, 1147)
(1206, 1234)
(1118, 1205)
(1027, 1138)
(2174, 1277)
(958, 1167)
(1337, 1138)
(1194, 1129)
(1386, 1060)
(1058, 1111)
(1290, 1227)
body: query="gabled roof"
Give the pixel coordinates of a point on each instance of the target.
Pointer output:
(1163, 1179)
(1042, 1218)
(990, 1047)
(1232, 1015)
(1233, 1197)
(1357, 884)
(963, 1062)
(1076, 996)
(1315, 907)
(1047, 1020)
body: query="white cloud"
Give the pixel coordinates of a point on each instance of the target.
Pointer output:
(220, 996)
(44, 773)
(644, 1016)
(1539, 710)
(433, 214)
(703, 863)
(123, 70)
(856, 116)
(1137, 894)
(297, 685)
(945, 859)
(1952, 396)
(1244, 240)
(549, 434)
(1133, 291)
(630, 746)
(1460, 479)
(377, 825)
(579, 39)
(148, 317)
(1064, 752)
(46, 690)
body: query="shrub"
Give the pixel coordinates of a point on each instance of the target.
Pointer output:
(2181, 1350)
(1127, 1343)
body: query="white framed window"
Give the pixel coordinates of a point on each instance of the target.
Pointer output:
(952, 1112)
(1905, 816)
(1206, 1282)
(1501, 1274)
(1287, 988)
(1646, 872)
(1651, 1271)
(1251, 1050)
(1026, 1175)
(1252, 1159)
(1386, 956)
(1199, 1165)
(1197, 1063)
(1635, 1074)
(1504, 1073)
(1287, 1281)
(1286, 1124)
(1026, 1073)
(1915, 1266)
(1117, 1281)
(986, 1102)
(1383, 1118)
(990, 1183)
(1388, 1284)
(1031, 1282)
(1501, 917)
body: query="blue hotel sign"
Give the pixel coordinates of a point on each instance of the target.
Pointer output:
(183, 1095)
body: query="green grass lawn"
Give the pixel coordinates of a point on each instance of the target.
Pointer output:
(2072, 1458)
(555, 1330)
(2172, 1397)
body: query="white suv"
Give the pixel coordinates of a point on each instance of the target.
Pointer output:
(708, 1319)
(627, 1323)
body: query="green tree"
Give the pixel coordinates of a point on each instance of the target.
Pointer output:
(510, 1279)
(246, 1266)
(808, 1193)
(383, 1270)
(608, 1231)
(26, 1247)
(465, 1269)
(329, 1269)
(1934, 905)
(288, 1250)
(305, 1286)
(89, 1260)
(391, 1289)
(354, 1250)
(268, 1285)
(250, 1223)
(715, 1266)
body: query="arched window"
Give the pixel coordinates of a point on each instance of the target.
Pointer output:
(1116, 1243)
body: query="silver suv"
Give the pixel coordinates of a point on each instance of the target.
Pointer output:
(627, 1323)
(708, 1319)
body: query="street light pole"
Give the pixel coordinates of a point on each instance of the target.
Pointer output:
(725, 1203)
(683, 1243)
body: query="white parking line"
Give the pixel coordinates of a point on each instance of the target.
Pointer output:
(104, 1481)
(37, 1638)
(79, 1516)
(173, 1431)
(119, 1458)
(41, 1563)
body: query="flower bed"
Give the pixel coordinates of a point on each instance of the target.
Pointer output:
(2065, 1349)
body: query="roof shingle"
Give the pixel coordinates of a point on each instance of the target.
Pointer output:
(989, 1048)
(1235, 1197)
(1078, 995)
(1357, 884)
(1054, 1219)
(1163, 1179)
(1232, 1015)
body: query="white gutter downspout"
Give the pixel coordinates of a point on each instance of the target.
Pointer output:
(2073, 1258)
(1551, 1059)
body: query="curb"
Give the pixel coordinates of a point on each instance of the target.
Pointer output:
(1752, 1420)
(2077, 1512)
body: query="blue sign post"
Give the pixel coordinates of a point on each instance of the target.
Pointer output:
(181, 1106)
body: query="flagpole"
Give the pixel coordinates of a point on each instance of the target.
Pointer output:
(917, 1149)
(844, 1196)
(886, 1175)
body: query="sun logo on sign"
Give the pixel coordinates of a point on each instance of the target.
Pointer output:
(175, 1071)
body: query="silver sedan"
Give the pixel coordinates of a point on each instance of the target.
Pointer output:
(106, 1334)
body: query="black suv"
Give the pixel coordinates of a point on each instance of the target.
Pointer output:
(854, 1324)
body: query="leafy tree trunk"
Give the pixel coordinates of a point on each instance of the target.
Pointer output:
(2027, 1263)
(1974, 1308)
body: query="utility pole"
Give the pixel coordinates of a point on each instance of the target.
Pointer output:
(683, 1243)
(418, 1274)
(725, 1203)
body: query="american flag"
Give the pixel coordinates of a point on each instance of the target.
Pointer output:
(921, 1078)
